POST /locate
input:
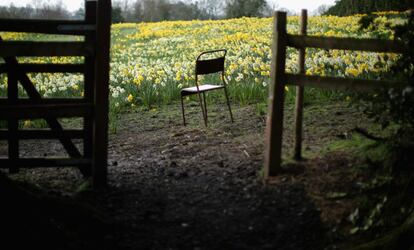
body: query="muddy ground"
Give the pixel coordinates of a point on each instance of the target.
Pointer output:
(176, 187)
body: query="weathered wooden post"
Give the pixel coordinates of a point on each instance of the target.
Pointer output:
(274, 127)
(300, 91)
(103, 38)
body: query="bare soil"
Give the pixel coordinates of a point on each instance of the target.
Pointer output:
(176, 187)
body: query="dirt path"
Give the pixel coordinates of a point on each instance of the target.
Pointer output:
(175, 187)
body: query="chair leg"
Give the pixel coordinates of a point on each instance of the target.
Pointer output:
(202, 108)
(182, 109)
(228, 104)
(205, 106)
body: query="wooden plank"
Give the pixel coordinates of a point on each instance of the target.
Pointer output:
(103, 38)
(46, 68)
(89, 79)
(46, 111)
(13, 123)
(371, 45)
(45, 162)
(48, 101)
(339, 83)
(42, 134)
(83, 29)
(58, 27)
(300, 92)
(274, 127)
(44, 49)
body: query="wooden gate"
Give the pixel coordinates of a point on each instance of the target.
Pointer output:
(279, 79)
(92, 107)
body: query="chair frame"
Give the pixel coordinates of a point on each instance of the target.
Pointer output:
(205, 67)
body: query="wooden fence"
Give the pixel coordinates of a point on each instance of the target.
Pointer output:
(279, 78)
(92, 107)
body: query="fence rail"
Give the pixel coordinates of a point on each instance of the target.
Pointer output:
(46, 101)
(279, 78)
(338, 83)
(45, 68)
(43, 134)
(44, 163)
(36, 111)
(56, 27)
(369, 45)
(45, 49)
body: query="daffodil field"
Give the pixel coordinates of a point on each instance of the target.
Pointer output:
(151, 62)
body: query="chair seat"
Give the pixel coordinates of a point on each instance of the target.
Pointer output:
(202, 88)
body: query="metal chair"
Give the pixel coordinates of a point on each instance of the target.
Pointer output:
(205, 67)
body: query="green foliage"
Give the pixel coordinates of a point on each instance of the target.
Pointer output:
(350, 7)
(245, 8)
(117, 15)
(396, 105)
(357, 145)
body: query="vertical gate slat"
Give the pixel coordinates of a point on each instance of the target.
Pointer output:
(274, 128)
(89, 80)
(13, 124)
(100, 152)
(300, 91)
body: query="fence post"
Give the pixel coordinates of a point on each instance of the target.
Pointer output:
(274, 127)
(300, 91)
(100, 136)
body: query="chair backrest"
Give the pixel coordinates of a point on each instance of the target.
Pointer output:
(209, 66)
